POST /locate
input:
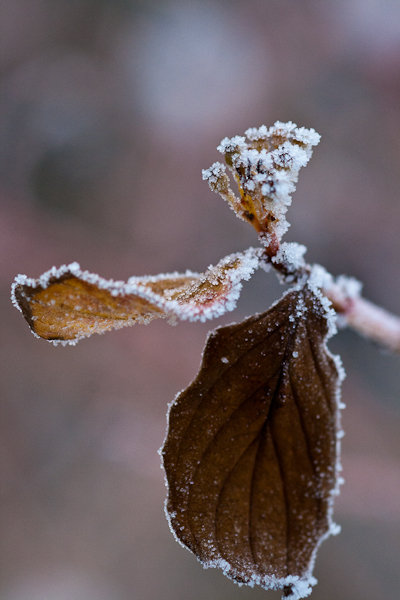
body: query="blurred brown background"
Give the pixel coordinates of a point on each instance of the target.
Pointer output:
(109, 111)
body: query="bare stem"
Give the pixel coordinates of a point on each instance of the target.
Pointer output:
(366, 318)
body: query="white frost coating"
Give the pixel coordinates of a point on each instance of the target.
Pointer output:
(254, 133)
(334, 528)
(13, 298)
(301, 587)
(291, 255)
(307, 136)
(235, 144)
(300, 134)
(320, 278)
(155, 278)
(214, 172)
(349, 286)
(65, 342)
(216, 177)
(340, 368)
(45, 278)
(287, 155)
(317, 277)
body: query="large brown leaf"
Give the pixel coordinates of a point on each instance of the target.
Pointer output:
(251, 450)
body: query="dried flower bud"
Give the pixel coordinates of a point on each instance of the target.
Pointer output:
(266, 170)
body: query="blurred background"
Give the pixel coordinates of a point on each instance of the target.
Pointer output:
(109, 110)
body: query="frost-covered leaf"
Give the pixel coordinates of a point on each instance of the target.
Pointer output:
(266, 169)
(67, 304)
(251, 454)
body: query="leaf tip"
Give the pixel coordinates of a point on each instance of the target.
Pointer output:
(21, 302)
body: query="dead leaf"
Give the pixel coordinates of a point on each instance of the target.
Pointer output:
(68, 304)
(251, 450)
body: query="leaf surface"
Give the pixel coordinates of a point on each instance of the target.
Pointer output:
(67, 304)
(251, 450)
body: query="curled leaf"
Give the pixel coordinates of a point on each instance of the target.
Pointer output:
(251, 453)
(67, 304)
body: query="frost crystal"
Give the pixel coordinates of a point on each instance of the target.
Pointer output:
(349, 286)
(235, 144)
(215, 176)
(320, 278)
(291, 256)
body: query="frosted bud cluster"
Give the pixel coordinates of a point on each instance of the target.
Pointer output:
(266, 169)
